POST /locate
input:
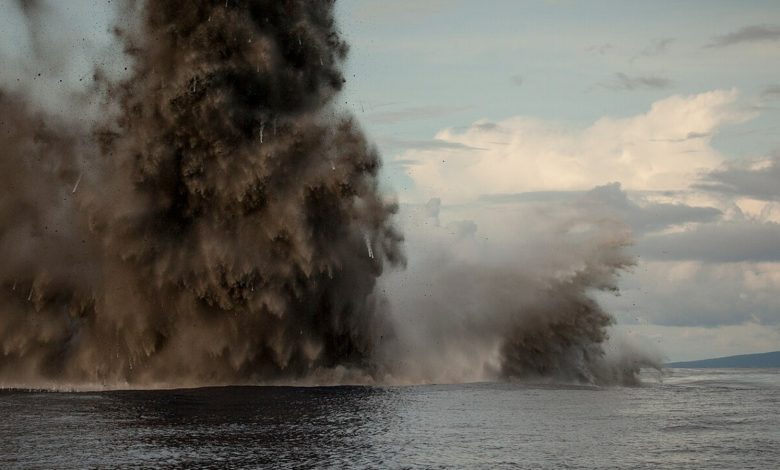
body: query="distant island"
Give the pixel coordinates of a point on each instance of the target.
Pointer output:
(743, 361)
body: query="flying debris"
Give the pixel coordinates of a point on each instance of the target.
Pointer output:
(368, 245)
(76, 186)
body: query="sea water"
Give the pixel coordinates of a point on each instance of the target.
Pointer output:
(687, 419)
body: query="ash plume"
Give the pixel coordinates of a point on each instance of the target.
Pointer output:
(510, 299)
(201, 212)
(216, 231)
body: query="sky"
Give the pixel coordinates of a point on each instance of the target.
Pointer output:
(662, 114)
(498, 117)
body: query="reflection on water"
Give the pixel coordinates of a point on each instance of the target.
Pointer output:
(711, 419)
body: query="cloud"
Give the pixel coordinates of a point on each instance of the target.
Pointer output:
(462, 228)
(723, 242)
(658, 47)
(758, 179)
(648, 217)
(531, 196)
(600, 49)
(623, 82)
(610, 200)
(748, 34)
(650, 151)
(413, 113)
(697, 294)
(433, 144)
(771, 92)
(690, 136)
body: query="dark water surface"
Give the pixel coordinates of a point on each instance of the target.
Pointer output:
(693, 419)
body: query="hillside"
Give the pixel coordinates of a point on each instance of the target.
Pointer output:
(762, 360)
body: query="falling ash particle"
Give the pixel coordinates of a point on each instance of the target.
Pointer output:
(76, 186)
(368, 246)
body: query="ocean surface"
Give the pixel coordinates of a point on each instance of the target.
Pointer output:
(714, 418)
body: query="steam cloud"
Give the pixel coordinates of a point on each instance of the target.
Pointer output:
(482, 300)
(213, 218)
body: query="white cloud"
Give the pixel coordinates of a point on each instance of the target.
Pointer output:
(694, 293)
(707, 274)
(663, 149)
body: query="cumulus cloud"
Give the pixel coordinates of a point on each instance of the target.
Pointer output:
(650, 151)
(748, 34)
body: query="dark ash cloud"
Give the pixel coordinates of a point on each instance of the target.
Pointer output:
(225, 227)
